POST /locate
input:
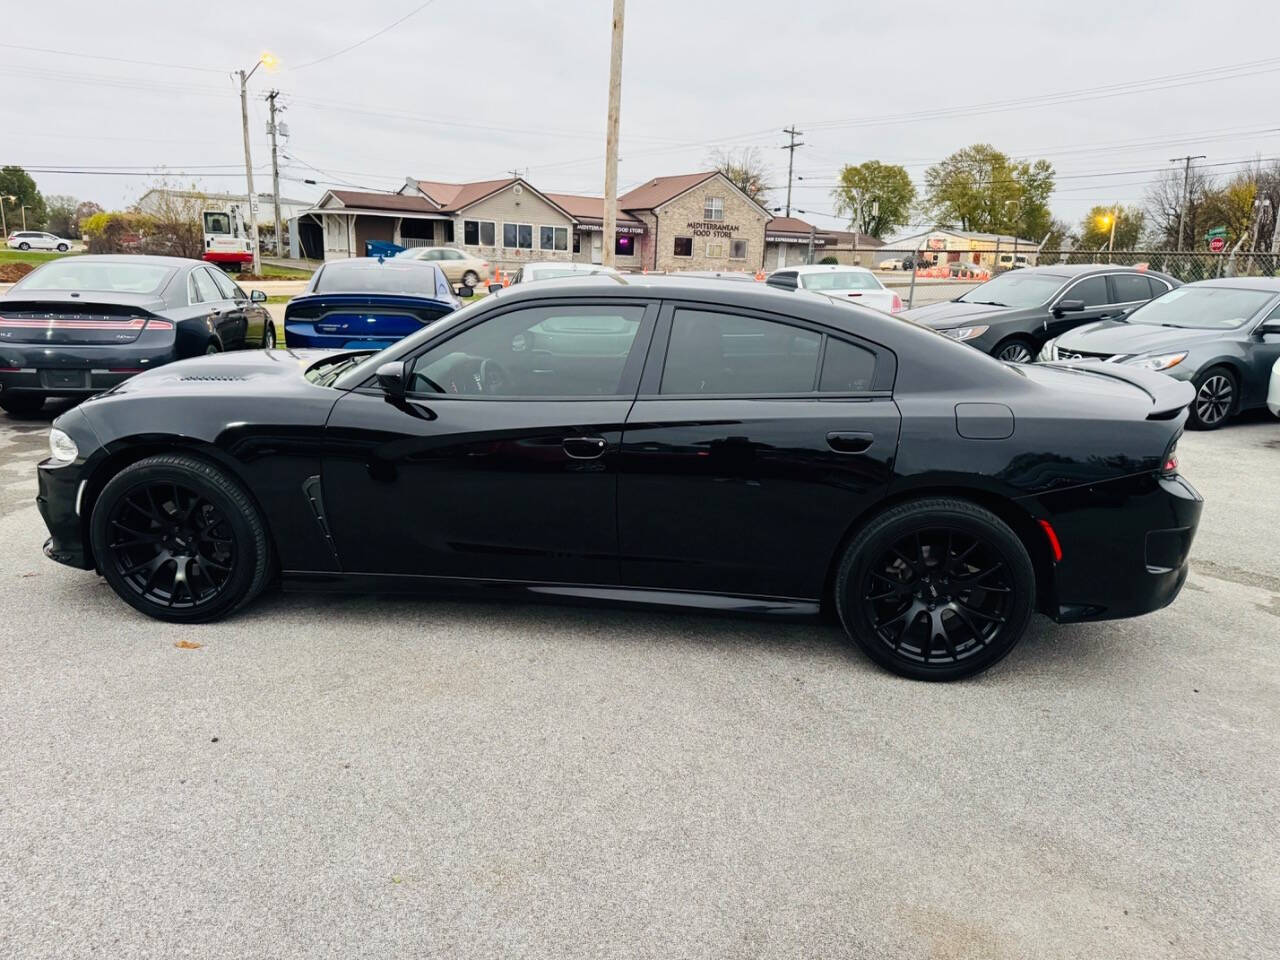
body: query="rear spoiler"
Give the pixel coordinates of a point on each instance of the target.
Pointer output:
(1169, 397)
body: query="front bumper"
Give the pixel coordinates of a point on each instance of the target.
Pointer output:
(61, 486)
(1125, 546)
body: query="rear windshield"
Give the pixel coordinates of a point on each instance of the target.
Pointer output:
(553, 273)
(402, 276)
(1202, 308)
(118, 276)
(841, 280)
(1020, 289)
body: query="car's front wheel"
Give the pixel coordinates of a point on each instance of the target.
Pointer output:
(21, 403)
(936, 589)
(179, 540)
(63, 248)
(1215, 398)
(269, 335)
(1016, 350)
(471, 279)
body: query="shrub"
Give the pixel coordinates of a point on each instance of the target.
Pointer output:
(829, 260)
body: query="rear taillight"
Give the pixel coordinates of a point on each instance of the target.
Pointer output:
(897, 304)
(1169, 468)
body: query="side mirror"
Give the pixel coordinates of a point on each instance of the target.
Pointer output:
(1068, 306)
(465, 291)
(393, 379)
(495, 287)
(257, 296)
(1271, 325)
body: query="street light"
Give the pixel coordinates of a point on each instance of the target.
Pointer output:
(4, 227)
(1109, 220)
(270, 62)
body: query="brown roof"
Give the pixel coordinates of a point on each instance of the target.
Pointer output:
(455, 196)
(790, 225)
(845, 239)
(587, 208)
(659, 190)
(383, 201)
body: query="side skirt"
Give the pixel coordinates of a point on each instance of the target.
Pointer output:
(322, 581)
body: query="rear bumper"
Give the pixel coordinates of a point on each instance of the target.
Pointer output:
(1125, 546)
(77, 370)
(215, 256)
(59, 382)
(308, 338)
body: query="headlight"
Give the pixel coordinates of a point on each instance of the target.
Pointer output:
(1163, 362)
(1048, 352)
(964, 333)
(61, 447)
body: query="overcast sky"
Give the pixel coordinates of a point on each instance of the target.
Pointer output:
(470, 90)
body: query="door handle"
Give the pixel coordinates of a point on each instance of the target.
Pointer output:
(584, 448)
(843, 441)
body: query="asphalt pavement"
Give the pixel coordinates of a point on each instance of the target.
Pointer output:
(362, 777)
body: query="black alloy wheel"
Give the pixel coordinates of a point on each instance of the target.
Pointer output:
(1215, 399)
(269, 335)
(178, 540)
(211, 350)
(936, 589)
(1015, 351)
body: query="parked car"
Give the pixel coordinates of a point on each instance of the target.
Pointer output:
(367, 303)
(36, 240)
(893, 263)
(1223, 336)
(1013, 314)
(962, 268)
(79, 325)
(459, 267)
(647, 439)
(1011, 261)
(558, 269)
(1273, 392)
(847, 283)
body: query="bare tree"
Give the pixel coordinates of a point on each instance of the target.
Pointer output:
(744, 168)
(174, 219)
(1163, 207)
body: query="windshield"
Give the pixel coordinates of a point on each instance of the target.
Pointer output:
(369, 276)
(114, 276)
(1202, 308)
(1019, 289)
(839, 280)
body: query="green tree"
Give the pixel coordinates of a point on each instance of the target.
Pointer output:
(1095, 228)
(980, 188)
(62, 215)
(875, 196)
(17, 183)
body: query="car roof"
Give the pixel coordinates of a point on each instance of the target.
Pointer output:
(1070, 270)
(566, 265)
(1265, 284)
(135, 258)
(826, 268)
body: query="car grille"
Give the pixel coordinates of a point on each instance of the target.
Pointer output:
(1082, 355)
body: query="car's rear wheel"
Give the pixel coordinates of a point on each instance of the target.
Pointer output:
(63, 248)
(24, 245)
(1215, 400)
(21, 403)
(211, 349)
(269, 336)
(179, 540)
(471, 279)
(936, 589)
(1016, 350)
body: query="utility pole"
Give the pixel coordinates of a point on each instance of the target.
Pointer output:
(611, 136)
(275, 171)
(791, 160)
(248, 169)
(1186, 192)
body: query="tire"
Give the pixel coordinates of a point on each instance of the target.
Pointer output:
(195, 546)
(471, 279)
(24, 245)
(211, 349)
(1217, 394)
(63, 248)
(911, 590)
(269, 335)
(1015, 350)
(22, 403)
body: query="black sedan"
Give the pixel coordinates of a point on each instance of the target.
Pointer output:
(1013, 314)
(644, 439)
(1223, 336)
(76, 326)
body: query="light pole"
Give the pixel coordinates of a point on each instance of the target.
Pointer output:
(268, 61)
(1109, 220)
(4, 226)
(24, 216)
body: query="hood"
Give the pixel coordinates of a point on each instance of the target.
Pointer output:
(1113, 338)
(950, 313)
(254, 373)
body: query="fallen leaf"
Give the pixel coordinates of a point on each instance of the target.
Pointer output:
(187, 645)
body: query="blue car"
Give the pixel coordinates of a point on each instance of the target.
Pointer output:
(367, 303)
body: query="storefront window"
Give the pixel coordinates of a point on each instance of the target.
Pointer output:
(624, 245)
(715, 250)
(737, 249)
(477, 233)
(518, 236)
(553, 238)
(684, 247)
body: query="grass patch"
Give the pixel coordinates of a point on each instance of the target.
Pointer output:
(33, 257)
(272, 272)
(279, 298)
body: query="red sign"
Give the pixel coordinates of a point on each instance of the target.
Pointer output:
(1218, 244)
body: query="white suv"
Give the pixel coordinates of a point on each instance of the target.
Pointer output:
(35, 240)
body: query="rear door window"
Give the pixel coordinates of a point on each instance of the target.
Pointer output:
(726, 354)
(205, 287)
(1129, 288)
(846, 368)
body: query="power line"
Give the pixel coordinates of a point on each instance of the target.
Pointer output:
(98, 56)
(373, 36)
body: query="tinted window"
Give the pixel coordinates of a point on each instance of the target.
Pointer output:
(1205, 308)
(839, 280)
(1158, 286)
(721, 353)
(1092, 290)
(846, 368)
(1128, 287)
(368, 276)
(205, 286)
(1017, 288)
(228, 289)
(536, 352)
(683, 247)
(76, 273)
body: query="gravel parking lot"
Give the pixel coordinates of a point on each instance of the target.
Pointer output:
(363, 777)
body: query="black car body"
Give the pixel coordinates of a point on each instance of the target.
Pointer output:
(367, 303)
(78, 325)
(1222, 336)
(644, 439)
(1013, 314)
